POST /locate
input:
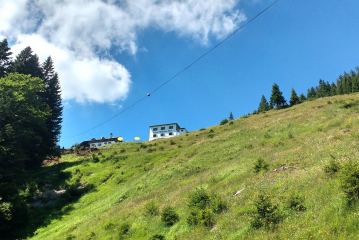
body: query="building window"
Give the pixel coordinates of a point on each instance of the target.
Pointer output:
(109, 142)
(181, 130)
(99, 144)
(154, 129)
(170, 127)
(154, 135)
(105, 143)
(170, 133)
(162, 134)
(163, 128)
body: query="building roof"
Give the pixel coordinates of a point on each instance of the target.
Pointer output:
(100, 140)
(165, 124)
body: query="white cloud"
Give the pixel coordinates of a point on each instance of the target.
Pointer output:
(79, 34)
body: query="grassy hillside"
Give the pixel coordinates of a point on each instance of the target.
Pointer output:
(297, 143)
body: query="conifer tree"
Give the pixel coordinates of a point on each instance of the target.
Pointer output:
(333, 89)
(311, 93)
(293, 98)
(302, 98)
(27, 63)
(5, 59)
(263, 105)
(52, 97)
(230, 116)
(339, 87)
(276, 98)
(355, 82)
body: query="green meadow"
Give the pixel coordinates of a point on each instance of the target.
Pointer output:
(274, 175)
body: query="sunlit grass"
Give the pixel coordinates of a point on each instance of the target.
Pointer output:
(301, 138)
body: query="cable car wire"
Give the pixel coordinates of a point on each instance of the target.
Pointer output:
(234, 32)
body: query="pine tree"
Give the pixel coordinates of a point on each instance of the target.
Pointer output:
(355, 86)
(347, 84)
(230, 116)
(340, 90)
(293, 98)
(302, 98)
(276, 98)
(52, 97)
(5, 60)
(263, 105)
(311, 93)
(27, 63)
(333, 89)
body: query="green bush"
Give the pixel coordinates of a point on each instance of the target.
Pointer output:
(151, 150)
(224, 121)
(169, 216)
(162, 148)
(124, 228)
(296, 202)
(201, 217)
(349, 181)
(211, 131)
(122, 150)
(248, 146)
(199, 199)
(266, 213)
(94, 158)
(332, 167)
(157, 237)
(143, 146)
(151, 208)
(218, 204)
(172, 142)
(210, 135)
(259, 165)
(231, 122)
(202, 129)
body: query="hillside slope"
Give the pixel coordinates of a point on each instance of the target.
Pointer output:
(297, 143)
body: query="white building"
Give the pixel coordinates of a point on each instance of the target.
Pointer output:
(99, 142)
(165, 131)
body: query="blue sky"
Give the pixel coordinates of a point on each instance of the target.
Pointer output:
(294, 44)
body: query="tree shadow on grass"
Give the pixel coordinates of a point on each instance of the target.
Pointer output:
(45, 209)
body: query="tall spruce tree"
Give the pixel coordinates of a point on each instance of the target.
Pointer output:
(293, 98)
(333, 89)
(52, 97)
(340, 90)
(302, 98)
(27, 63)
(230, 116)
(355, 84)
(276, 98)
(5, 59)
(263, 105)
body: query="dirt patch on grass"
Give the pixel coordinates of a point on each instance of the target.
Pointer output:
(49, 160)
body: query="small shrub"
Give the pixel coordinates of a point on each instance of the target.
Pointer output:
(210, 135)
(329, 102)
(172, 142)
(169, 216)
(231, 122)
(202, 129)
(201, 217)
(266, 135)
(124, 228)
(94, 158)
(218, 204)
(179, 146)
(248, 146)
(259, 165)
(333, 166)
(266, 213)
(122, 150)
(162, 148)
(211, 131)
(199, 199)
(151, 150)
(115, 152)
(290, 135)
(143, 146)
(296, 202)
(224, 121)
(349, 181)
(151, 208)
(157, 237)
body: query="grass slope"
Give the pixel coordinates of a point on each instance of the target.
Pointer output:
(303, 138)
